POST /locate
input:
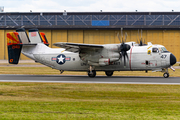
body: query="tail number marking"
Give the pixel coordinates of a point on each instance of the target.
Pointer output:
(15, 46)
(163, 56)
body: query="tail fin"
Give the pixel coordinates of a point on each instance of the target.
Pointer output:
(43, 37)
(14, 44)
(15, 41)
(34, 36)
(23, 35)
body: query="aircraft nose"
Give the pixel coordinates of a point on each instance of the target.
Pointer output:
(172, 59)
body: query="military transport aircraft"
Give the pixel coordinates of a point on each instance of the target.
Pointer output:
(126, 56)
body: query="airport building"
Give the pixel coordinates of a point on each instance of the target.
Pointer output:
(96, 27)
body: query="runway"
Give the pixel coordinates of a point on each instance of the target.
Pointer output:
(86, 79)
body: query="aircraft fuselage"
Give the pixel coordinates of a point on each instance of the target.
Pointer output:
(140, 58)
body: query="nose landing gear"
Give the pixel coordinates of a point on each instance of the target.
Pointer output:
(166, 75)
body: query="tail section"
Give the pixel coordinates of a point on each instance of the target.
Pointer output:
(44, 38)
(14, 44)
(17, 40)
(23, 36)
(34, 36)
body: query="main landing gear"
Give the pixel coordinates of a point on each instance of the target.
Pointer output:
(109, 73)
(91, 72)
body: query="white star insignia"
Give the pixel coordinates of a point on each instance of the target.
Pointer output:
(60, 59)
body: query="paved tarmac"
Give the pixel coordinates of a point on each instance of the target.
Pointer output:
(86, 79)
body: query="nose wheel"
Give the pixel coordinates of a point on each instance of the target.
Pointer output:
(166, 75)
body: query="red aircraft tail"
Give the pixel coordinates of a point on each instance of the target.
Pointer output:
(44, 39)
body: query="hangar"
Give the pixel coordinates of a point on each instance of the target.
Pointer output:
(95, 27)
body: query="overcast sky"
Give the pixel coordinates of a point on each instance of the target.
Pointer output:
(90, 5)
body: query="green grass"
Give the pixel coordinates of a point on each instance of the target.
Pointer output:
(31, 101)
(88, 101)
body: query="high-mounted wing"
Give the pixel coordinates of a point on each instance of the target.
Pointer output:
(76, 47)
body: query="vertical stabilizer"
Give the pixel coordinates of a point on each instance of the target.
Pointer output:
(23, 35)
(14, 47)
(34, 36)
(43, 37)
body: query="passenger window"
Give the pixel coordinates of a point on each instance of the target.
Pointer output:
(155, 50)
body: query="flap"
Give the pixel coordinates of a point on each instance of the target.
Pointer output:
(75, 47)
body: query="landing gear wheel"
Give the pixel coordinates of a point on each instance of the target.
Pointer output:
(92, 74)
(109, 73)
(166, 75)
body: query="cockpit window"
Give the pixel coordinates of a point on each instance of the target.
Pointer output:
(163, 49)
(155, 50)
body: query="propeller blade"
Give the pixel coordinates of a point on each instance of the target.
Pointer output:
(125, 36)
(119, 37)
(144, 41)
(122, 33)
(126, 55)
(124, 60)
(124, 48)
(141, 43)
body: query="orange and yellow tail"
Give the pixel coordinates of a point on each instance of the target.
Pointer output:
(14, 47)
(15, 41)
(44, 39)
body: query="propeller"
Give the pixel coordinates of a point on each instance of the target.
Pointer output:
(123, 47)
(141, 42)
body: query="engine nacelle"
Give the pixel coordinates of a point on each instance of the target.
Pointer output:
(107, 61)
(104, 61)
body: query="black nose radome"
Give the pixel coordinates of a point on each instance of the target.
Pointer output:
(172, 59)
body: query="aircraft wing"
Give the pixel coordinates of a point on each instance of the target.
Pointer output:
(75, 47)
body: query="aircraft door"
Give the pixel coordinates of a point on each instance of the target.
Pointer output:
(151, 63)
(155, 56)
